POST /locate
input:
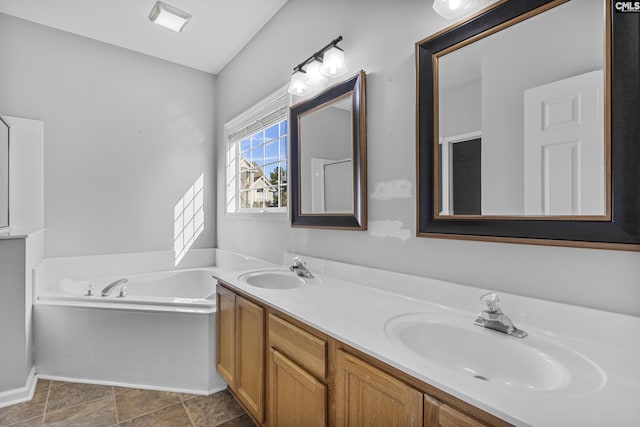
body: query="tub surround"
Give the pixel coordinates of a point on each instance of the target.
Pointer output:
(352, 304)
(98, 340)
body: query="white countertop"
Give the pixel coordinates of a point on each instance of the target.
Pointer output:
(353, 304)
(19, 233)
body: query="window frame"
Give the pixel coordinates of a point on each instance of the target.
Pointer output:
(270, 105)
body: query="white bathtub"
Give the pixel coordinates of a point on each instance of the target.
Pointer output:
(161, 335)
(192, 290)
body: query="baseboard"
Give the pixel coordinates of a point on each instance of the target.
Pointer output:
(129, 385)
(22, 394)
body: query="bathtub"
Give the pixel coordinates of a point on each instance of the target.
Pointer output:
(192, 290)
(160, 335)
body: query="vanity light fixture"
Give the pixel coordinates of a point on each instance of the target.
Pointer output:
(315, 78)
(311, 74)
(169, 16)
(298, 85)
(452, 9)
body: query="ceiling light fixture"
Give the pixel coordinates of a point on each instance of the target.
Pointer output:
(327, 62)
(452, 9)
(169, 16)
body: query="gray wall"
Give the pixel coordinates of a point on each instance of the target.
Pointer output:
(14, 342)
(379, 37)
(125, 136)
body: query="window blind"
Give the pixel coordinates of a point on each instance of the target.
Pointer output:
(261, 123)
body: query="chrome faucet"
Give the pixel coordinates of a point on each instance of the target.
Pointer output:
(492, 317)
(299, 267)
(111, 286)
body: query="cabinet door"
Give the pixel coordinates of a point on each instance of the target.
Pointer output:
(226, 335)
(366, 396)
(250, 356)
(296, 398)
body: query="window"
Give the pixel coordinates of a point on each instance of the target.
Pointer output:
(257, 147)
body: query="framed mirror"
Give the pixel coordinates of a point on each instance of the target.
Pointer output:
(4, 175)
(527, 126)
(329, 159)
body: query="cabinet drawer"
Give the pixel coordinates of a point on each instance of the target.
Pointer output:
(438, 414)
(305, 349)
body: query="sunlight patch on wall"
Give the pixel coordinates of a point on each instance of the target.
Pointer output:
(188, 219)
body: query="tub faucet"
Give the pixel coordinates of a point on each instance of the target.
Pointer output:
(492, 317)
(299, 267)
(109, 288)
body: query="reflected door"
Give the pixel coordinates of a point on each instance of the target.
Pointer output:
(564, 150)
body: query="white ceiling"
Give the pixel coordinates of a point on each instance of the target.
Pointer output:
(218, 30)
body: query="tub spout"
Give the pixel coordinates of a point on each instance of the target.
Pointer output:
(109, 288)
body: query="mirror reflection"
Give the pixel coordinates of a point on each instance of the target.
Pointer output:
(520, 118)
(326, 158)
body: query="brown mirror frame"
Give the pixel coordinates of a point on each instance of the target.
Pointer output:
(620, 231)
(358, 219)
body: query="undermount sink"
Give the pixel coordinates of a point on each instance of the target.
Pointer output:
(272, 279)
(535, 363)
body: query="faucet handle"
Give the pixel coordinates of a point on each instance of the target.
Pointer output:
(296, 260)
(89, 292)
(490, 302)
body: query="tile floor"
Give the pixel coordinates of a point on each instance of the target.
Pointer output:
(65, 404)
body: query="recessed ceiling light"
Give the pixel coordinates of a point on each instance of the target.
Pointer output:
(169, 16)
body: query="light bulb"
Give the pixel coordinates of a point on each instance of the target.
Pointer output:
(452, 9)
(314, 77)
(298, 86)
(333, 63)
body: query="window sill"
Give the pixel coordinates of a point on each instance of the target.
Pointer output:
(257, 215)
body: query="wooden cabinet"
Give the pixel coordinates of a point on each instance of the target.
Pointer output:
(367, 396)
(296, 398)
(250, 356)
(297, 395)
(240, 349)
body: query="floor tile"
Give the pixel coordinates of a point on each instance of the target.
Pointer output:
(213, 410)
(43, 385)
(241, 421)
(33, 422)
(134, 402)
(172, 416)
(97, 413)
(185, 396)
(63, 395)
(118, 390)
(24, 411)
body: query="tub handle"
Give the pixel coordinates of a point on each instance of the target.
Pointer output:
(123, 292)
(89, 292)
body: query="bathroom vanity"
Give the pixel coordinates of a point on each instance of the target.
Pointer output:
(305, 369)
(360, 346)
